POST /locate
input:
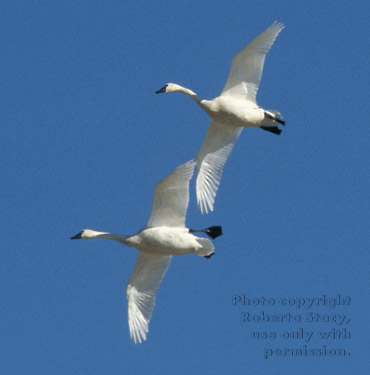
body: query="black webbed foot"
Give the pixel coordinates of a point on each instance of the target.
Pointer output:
(212, 232)
(272, 129)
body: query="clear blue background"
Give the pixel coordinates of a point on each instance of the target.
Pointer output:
(84, 139)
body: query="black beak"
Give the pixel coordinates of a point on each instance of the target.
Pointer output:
(163, 89)
(77, 236)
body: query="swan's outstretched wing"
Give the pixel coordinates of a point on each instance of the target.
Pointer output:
(141, 291)
(171, 198)
(246, 67)
(211, 158)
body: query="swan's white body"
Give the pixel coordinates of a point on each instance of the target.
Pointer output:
(233, 110)
(164, 235)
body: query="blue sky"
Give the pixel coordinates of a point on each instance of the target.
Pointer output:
(84, 139)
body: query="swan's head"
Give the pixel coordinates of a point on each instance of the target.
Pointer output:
(84, 234)
(170, 87)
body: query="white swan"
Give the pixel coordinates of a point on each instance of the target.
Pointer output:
(164, 235)
(234, 109)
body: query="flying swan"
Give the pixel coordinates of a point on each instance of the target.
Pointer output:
(164, 235)
(233, 110)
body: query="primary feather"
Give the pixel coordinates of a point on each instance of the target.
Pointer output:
(232, 110)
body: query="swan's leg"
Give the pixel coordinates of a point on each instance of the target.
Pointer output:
(275, 118)
(209, 256)
(212, 232)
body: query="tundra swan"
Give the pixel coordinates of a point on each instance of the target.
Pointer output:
(164, 235)
(233, 110)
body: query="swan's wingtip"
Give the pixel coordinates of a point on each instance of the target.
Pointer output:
(203, 208)
(136, 338)
(278, 25)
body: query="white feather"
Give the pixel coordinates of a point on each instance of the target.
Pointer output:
(232, 110)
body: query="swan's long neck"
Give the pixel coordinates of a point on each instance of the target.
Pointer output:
(126, 240)
(191, 94)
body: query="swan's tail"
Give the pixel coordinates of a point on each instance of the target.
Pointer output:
(207, 247)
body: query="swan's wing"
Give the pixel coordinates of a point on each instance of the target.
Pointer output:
(141, 291)
(246, 67)
(211, 158)
(171, 198)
